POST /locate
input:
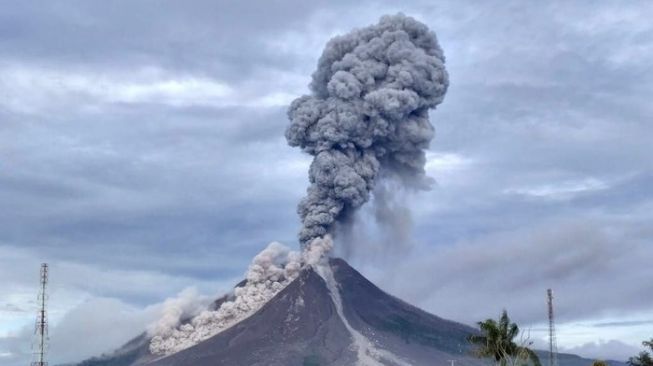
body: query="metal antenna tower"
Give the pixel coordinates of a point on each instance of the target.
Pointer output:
(41, 329)
(553, 347)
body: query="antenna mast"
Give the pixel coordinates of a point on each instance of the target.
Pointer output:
(553, 347)
(41, 329)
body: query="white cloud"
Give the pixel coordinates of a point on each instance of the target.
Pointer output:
(561, 190)
(97, 326)
(446, 162)
(604, 350)
(39, 90)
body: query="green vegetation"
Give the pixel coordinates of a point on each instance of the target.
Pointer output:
(599, 363)
(644, 358)
(497, 341)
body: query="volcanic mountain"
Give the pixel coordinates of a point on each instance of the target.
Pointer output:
(306, 324)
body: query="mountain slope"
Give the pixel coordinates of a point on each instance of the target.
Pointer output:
(398, 326)
(297, 326)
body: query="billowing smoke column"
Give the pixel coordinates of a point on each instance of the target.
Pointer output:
(367, 115)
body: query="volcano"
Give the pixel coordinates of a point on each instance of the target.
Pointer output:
(303, 325)
(306, 324)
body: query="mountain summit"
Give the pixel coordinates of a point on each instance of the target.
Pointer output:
(314, 322)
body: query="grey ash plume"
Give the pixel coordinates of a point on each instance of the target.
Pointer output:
(366, 117)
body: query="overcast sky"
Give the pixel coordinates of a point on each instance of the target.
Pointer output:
(142, 152)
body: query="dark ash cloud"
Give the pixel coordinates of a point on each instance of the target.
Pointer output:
(367, 117)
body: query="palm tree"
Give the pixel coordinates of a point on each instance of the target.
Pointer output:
(497, 341)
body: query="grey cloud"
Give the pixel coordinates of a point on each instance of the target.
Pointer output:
(13, 308)
(605, 350)
(632, 323)
(542, 94)
(72, 280)
(367, 115)
(113, 183)
(221, 38)
(582, 260)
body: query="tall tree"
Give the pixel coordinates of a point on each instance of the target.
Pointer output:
(644, 358)
(497, 340)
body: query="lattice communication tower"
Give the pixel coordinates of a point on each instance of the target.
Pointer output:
(553, 346)
(41, 327)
